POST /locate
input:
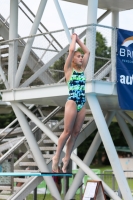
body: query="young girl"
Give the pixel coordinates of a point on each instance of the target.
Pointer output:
(75, 106)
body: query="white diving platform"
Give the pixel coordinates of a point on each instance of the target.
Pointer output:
(108, 4)
(56, 94)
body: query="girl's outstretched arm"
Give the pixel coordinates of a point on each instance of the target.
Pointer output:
(86, 52)
(68, 62)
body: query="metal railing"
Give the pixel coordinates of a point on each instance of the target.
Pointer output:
(109, 178)
(51, 56)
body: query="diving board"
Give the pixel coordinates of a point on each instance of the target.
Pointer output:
(34, 174)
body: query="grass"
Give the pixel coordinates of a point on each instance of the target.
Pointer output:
(101, 167)
(48, 197)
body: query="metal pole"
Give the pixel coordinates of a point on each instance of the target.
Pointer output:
(115, 19)
(119, 193)
(44, 67)
(13, 122)
(113, 182)
(126, 117)
(109, 146)
(38, 122)
(29, 43)
(115, 23)
(103, 16)
(12, 170)
(91, 37)
(35, 194)
(43, 27)
(126, 132)
(87, 160)
(13, 46)
(62, 20)
(57, 31)
(35, 150)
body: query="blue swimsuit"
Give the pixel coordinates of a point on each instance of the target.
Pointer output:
(76, 86)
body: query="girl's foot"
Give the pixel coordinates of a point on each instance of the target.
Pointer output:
(65, 164)
(55, 164)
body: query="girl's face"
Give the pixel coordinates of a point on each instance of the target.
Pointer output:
(78, 59)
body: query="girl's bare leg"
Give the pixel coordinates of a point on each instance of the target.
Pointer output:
(69, 120)
(71, 140)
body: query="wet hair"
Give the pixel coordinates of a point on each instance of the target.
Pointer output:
(78, 52)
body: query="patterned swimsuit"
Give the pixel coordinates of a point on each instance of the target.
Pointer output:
(76, 86)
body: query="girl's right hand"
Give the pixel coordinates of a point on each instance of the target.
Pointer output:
(73, 36)
(77, 38)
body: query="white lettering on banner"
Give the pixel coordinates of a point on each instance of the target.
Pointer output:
(127, 61)
(122, 52)
(128, 80)
(126, 53)
(129, 53)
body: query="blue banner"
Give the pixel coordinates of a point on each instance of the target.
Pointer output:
(124, 59)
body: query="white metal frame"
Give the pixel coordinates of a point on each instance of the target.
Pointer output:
(103, 134)
(29, 43)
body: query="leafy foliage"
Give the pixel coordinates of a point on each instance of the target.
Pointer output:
(102, 50)
(6, 119)
(57, 69)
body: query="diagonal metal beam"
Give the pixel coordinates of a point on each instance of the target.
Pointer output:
(109, 146)
(41, 25)
(13, 122)
(23, 139)
(126, 117)
(44, 67)
(33, 58)
(2, 75)
(35, 150)
(10, 151)
(29, 43)
(105, 14)
(126, 132)
(62, 20)
(27, 188)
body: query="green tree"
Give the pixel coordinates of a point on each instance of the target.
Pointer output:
(57, 69)
(102, 50)
(6, 119)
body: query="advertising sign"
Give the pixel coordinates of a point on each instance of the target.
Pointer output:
(124, 59)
